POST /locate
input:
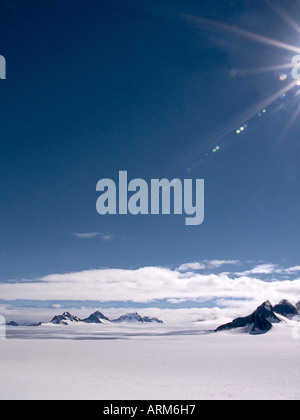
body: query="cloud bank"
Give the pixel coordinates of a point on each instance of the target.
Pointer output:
(149, 284)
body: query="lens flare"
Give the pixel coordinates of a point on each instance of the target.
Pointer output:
(280, 72)
(200, 22)
(283, 77)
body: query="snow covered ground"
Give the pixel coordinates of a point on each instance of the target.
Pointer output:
(148, 362)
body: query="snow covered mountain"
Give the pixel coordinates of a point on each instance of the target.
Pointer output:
(259, 322)
(64, 319)
(285, 308)
(98, 318)
(95, 318)
(135, 317)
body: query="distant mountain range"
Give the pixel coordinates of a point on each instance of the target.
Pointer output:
(262, 319)
(96, 318)
(259, 322)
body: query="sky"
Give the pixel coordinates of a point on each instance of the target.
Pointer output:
(160, 89)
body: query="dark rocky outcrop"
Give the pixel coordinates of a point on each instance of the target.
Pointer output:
(95, 318)
(135, 317)
(285, 308)
(259, 322)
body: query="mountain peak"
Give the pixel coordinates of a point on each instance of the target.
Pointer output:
(64, 319)
(135, 317)
(95, 318)
(267, 305)
(284, 302)
(285, 308)
(130, 317)
(12, 324)
(259, 322)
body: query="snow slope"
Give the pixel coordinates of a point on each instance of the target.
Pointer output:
(227, 365)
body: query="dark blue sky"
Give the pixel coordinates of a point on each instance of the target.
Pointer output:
(98, 86)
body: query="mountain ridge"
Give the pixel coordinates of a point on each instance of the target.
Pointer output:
(135, 317)
(262, 319)
(97, 318)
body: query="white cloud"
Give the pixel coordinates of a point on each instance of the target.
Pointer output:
(290, 270)
(151, 283)
(220, 263)
(260, 269)
(106, 237)
(87, 235)
(90, 235)
(195, 266)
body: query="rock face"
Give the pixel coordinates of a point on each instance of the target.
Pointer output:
(147, 319)
(285, 308)
(135, 317)
(64, 319)
(95, 318)
(259, 322)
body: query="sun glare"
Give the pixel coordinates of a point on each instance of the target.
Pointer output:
(285, 71)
